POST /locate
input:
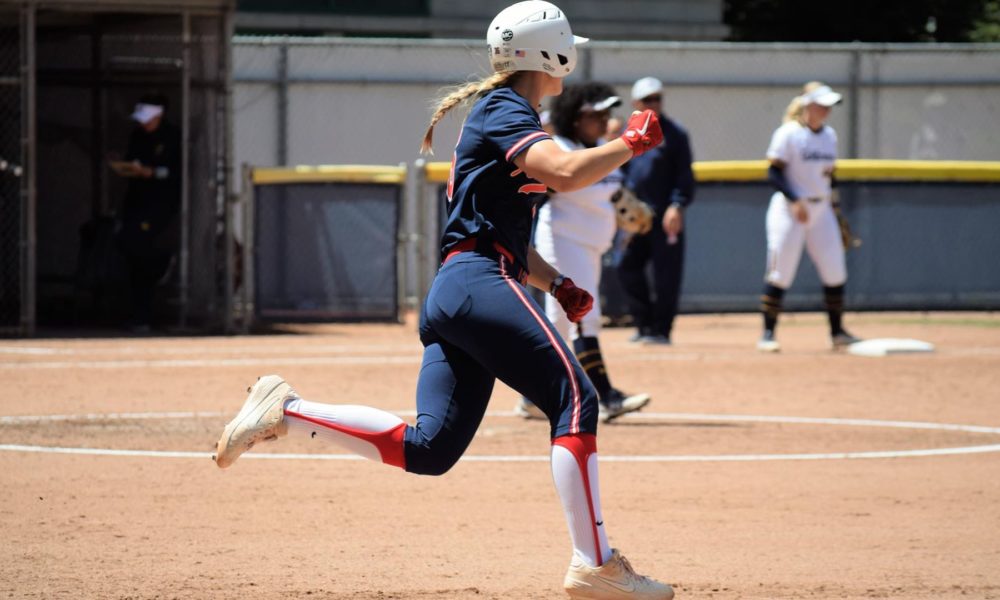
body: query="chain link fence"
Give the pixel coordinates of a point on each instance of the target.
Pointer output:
(90, 68)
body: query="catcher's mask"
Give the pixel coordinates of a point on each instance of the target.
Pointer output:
(532, 36)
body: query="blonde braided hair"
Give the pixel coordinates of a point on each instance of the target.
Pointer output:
(795, 109)
(459, 95)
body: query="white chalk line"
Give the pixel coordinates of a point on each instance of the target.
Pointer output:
(356, 355)
(527, 458)
(960, 450)
(224, 362)
(268, 349)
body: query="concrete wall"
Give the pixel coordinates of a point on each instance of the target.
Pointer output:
(343, 101)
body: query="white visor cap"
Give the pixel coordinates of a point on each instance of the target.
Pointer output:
(823, 95)
(602, 105)
(144, 113)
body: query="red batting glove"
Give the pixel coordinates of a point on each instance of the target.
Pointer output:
(575, 301)
(642, 132)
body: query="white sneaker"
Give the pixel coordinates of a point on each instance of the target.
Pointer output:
(528, 410)
(262, 418)
(842, 340)
(613, 580)
(619, 404)
(767, 343)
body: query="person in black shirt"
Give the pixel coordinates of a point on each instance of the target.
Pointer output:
(663, 179)
(148, 234)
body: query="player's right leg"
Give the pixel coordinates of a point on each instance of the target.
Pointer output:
(273, 409)
(668, 273)
(635, 287)
(770, 306)
(785, 241)
(444, 426)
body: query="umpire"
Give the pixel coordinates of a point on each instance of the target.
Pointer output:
(663, 179)
(149, 234)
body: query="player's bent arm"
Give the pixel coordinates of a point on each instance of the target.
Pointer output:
(776, 175)
(566, 171)
(540, 273)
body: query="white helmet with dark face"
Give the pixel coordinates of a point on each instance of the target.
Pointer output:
(532, 36)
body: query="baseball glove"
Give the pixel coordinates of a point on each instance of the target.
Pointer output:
(633, 215)
(846, 235)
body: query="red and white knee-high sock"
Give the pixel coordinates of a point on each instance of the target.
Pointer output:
(370, 432)
(574, 470)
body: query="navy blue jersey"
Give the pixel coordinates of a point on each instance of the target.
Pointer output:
(489, 198)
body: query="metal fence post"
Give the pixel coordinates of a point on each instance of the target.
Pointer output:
(283, 103)
(224, 120)
(422, 233)
(411, 234)
(402, 244)
(853, 108)
(29, 188)
(249, 252)
(185, 251)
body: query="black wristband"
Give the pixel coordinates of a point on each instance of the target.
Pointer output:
(556, 282)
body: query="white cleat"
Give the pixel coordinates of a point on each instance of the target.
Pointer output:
(529, 410)
(614, 580)
(619, 404)
(767, 343)
(261, 419)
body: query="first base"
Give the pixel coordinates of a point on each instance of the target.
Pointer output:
(887, 346)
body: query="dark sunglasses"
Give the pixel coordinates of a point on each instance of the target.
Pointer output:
(652, 99)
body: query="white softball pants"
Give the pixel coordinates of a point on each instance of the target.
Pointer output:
(820, 235)
(582, 264)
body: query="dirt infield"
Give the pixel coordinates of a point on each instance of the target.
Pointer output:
(807, 474)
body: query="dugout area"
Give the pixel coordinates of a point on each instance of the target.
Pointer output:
(70, 74)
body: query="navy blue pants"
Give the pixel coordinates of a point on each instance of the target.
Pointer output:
(478, 324)
(653, 317)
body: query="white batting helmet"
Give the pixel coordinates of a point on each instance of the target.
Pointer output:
(532, 36)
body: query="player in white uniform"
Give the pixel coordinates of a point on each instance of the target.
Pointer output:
(575, 229)
(802, 155)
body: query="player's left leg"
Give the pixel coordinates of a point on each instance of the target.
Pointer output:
(574, 470)
(785, 239)
(826, 249)
(527, 354)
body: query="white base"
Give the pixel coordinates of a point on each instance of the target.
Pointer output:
(886, 346)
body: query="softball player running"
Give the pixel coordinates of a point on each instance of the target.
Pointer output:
(802, 156)
(575, 229)
(478, 322)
